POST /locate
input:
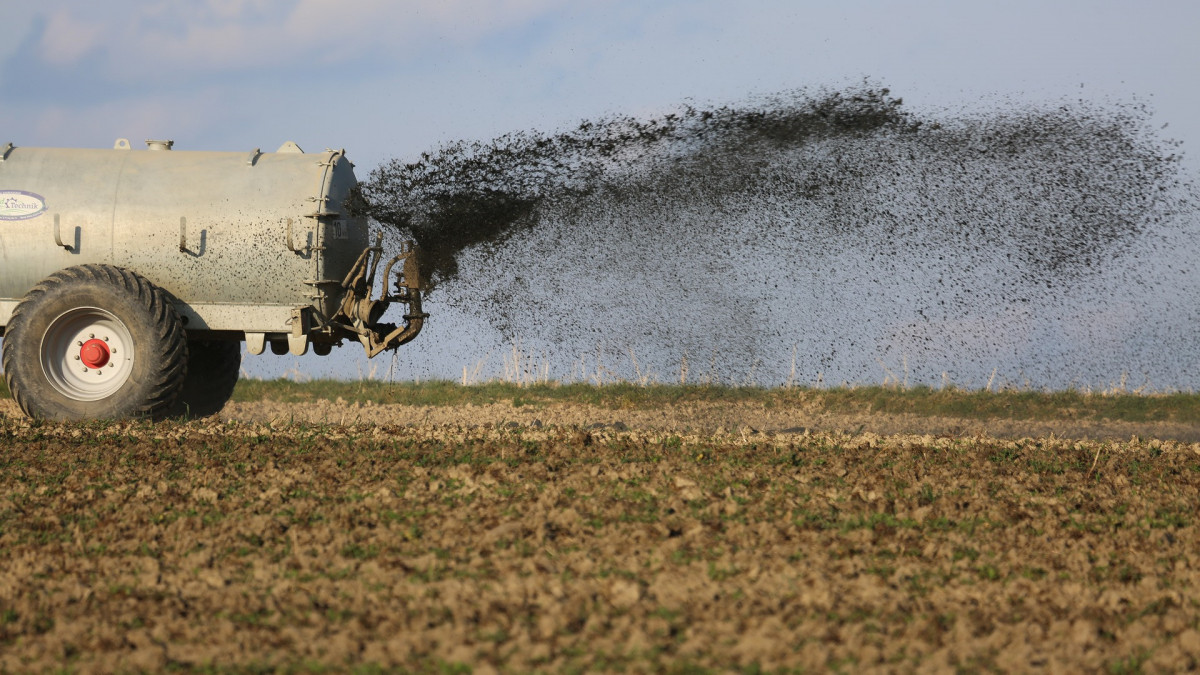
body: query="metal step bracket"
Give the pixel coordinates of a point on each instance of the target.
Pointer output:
(298, 345)
(256, 343)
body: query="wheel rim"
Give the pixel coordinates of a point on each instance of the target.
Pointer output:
(87, 354)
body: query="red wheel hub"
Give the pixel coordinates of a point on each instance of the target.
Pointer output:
(94, 353)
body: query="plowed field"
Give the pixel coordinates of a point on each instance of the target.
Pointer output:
(470, 544)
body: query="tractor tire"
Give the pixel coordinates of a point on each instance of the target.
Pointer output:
(95, 342)
(213, 369)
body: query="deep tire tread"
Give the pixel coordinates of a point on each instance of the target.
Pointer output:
(170, 343)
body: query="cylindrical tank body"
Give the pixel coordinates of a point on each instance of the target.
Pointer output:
(241, 240)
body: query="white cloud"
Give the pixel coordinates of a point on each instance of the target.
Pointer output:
(137, 119)
(68, 39)
(164, 40)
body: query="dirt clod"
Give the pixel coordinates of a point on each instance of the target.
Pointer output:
(266, 545)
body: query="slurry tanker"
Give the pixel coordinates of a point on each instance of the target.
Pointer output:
(130, 278)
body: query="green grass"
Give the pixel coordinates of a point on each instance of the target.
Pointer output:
(1183, 408)
(920, 401)
(448, 393)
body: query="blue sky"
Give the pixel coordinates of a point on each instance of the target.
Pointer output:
(384, 78)
(387, 78)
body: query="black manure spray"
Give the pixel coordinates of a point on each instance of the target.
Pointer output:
(816, 236)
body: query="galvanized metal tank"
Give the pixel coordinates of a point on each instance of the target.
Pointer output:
(244, 245)
(240, 239)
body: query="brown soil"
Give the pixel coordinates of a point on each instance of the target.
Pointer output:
(640, 546)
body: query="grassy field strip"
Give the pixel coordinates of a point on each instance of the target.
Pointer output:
(1177, 407)
(921, 401)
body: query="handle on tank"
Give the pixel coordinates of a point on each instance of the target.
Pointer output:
(291, 242)
(58, 236)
